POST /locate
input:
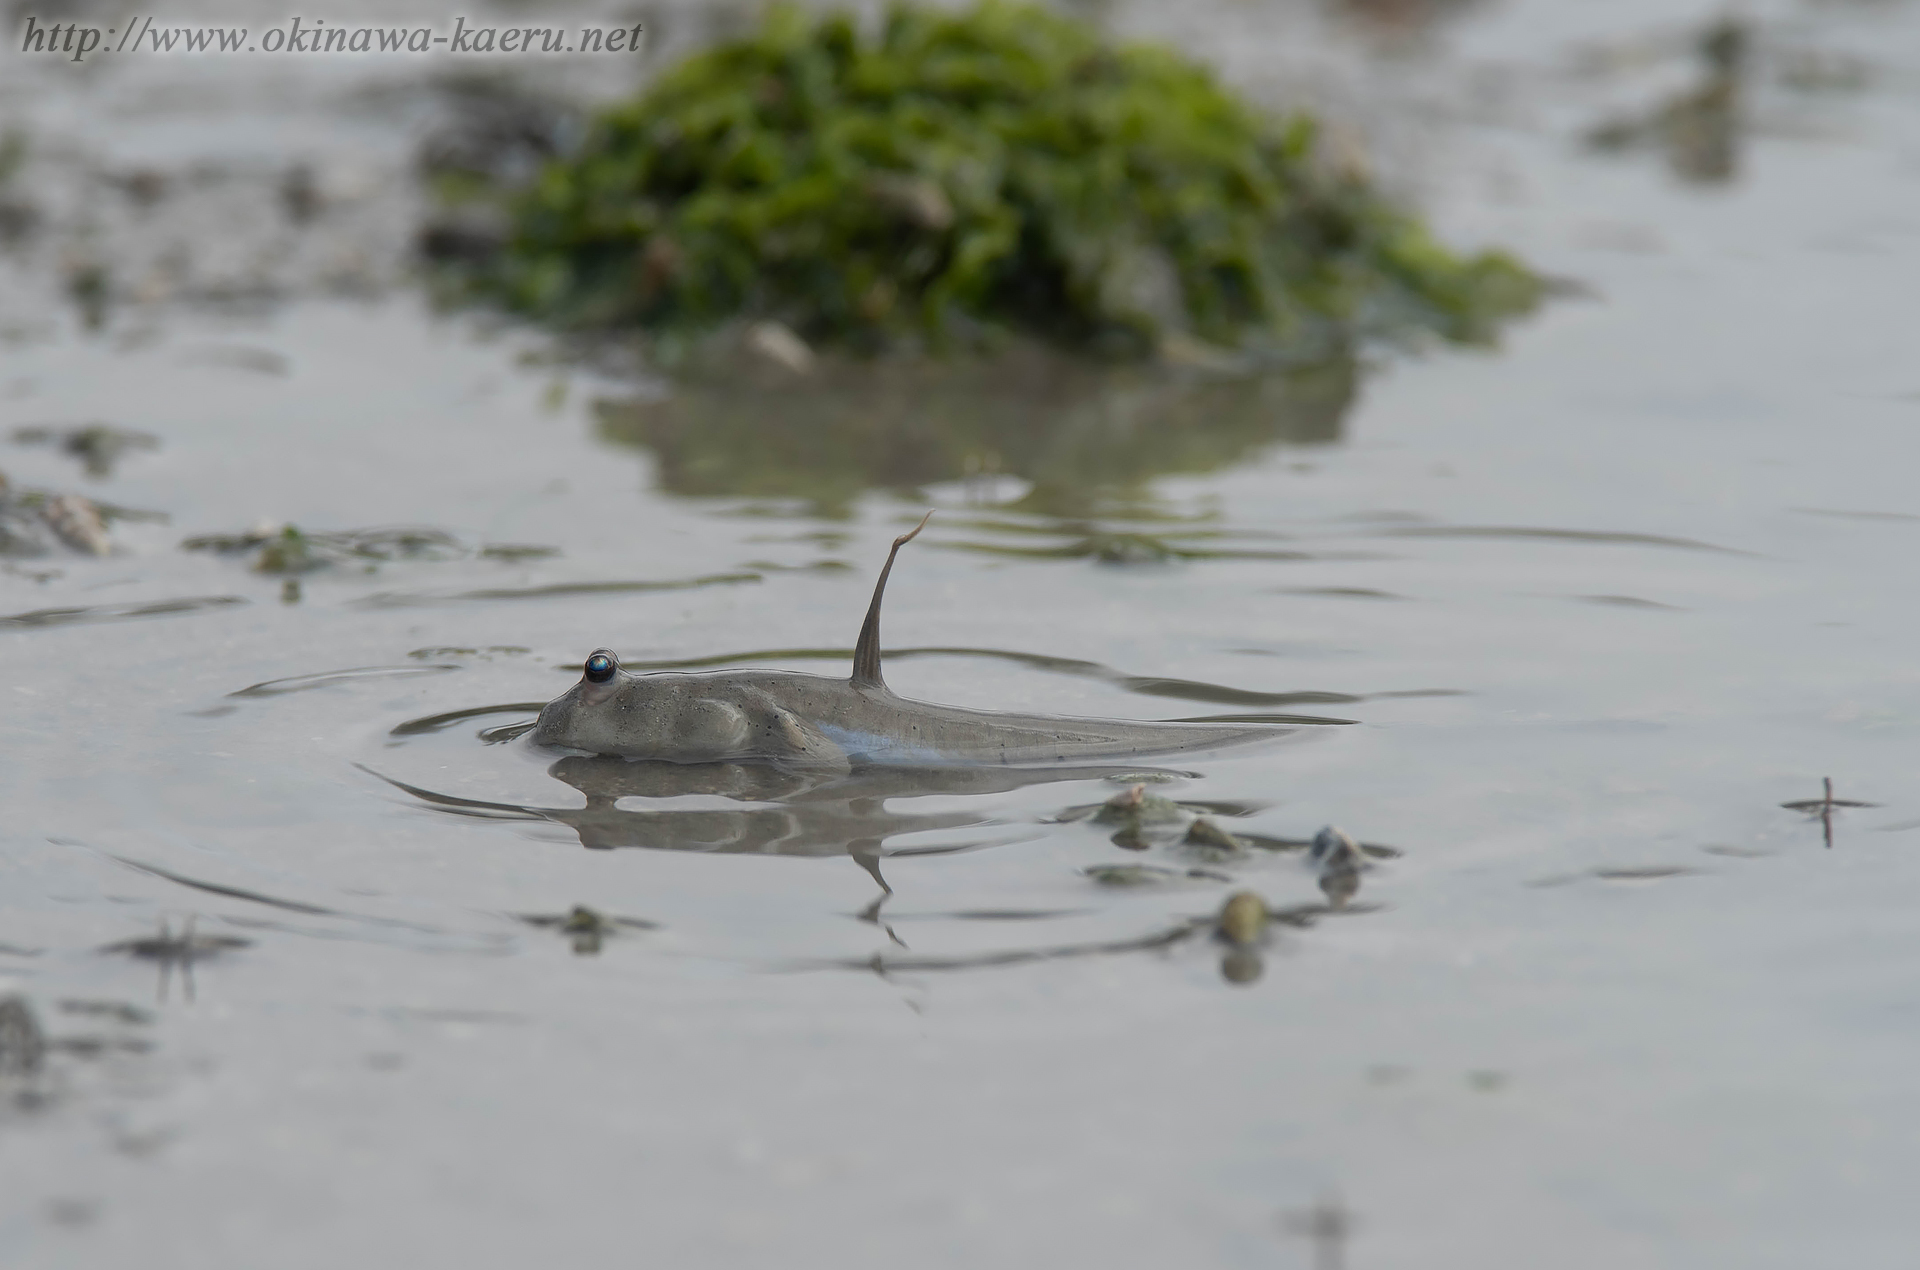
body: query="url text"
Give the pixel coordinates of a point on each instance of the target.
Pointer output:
(79, 42)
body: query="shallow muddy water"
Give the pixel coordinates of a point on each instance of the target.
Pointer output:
(1562, 625)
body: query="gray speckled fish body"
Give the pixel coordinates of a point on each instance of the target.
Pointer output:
(792, 717)
(815, 721)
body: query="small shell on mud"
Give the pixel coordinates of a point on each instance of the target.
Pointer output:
(77, 523)
(1334, 849)
(1339, 860)
(1243, 919)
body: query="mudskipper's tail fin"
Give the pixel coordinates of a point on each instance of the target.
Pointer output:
(866, 653)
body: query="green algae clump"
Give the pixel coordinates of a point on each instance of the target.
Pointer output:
(951, 178)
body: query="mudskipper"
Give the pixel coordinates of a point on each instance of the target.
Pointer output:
(802, 720)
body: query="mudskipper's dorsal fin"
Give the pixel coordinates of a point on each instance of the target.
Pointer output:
(866, 653)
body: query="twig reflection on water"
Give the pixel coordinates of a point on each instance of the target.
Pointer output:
(182, 950)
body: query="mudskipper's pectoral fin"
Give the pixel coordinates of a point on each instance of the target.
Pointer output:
(789, 739)
(866, 653)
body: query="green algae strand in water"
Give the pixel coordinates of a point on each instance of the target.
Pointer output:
(289, 552)
(944, 177)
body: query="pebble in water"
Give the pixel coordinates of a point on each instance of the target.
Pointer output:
(1339, 860)
(1205, 838)
(1243, 919)
(1242, 925)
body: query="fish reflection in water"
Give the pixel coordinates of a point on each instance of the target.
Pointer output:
(783, 812)
(773, 809)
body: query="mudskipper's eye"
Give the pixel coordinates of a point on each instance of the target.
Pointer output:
(600, 667)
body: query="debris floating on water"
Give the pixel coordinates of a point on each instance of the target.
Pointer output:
(36, 521)
(1823, 807)
(77, 523)
(588, 928)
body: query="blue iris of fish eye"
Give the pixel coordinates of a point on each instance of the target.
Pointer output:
(600, 668)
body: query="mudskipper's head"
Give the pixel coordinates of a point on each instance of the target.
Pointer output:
(587, 715)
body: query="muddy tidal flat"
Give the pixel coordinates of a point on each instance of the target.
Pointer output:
(1599, 646)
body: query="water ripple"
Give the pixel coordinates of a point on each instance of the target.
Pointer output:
(119, 612)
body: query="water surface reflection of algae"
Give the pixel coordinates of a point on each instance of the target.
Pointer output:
(1083, 436)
